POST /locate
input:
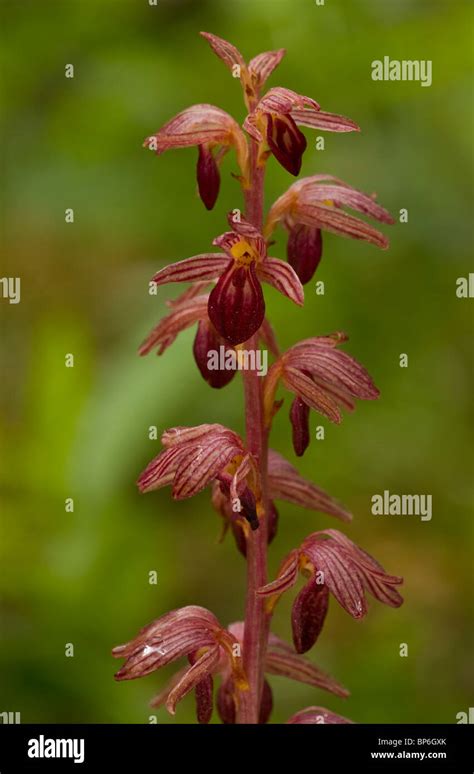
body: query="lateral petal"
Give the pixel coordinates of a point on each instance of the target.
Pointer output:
(264, 64)
(296, 667)
(197, 125)
(283, 278)
(181, 317)
(296, 381)
(281, 100)
(192, 678)
(339, 222)
(206, 266)
(331, 122)
(285, 483)
(229, 54)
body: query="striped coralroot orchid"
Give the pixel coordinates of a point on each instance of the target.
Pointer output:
(245, 478)
(314, 204)
(333, 563)
(322, 378)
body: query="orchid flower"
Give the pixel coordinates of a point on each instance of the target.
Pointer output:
(189, 309)
(214, 132)
(236, 306)
(272, 120)
(193, 632)
(212, 651)
(252, 76)
(315, 203)
(225, 301)
(322, 378)
(333, 563)
(196, 456)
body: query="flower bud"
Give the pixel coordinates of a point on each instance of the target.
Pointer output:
(304, 251)
(207, 340)
(308, 614)
(299, 418)
(208, 177)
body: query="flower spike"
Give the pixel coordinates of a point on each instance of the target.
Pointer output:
(225, 301)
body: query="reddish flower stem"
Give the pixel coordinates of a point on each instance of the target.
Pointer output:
(256, 620)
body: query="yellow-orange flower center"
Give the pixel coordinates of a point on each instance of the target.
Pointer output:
(243, 253)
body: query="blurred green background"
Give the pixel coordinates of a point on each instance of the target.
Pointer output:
(82, 432)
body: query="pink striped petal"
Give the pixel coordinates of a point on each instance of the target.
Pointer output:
(286, 664)
(195, 677)
(197, 125)
(207, 266)
(262, 65)
(195, 289)
(280, 100)
(193, 457)
(170, 637)
(331, 365)
(242, 232)
(331, 122)
(160, 471)
(283, 278)
(201, 466)
(340, 575)
(316, 202)
(285, 483)
(287, 576)
(243, 227)
(373, 575)
(296, 381)
(250, 126)
(339, 222)
(183, 316)
(238, 479)
(161, 697)
(229, 54)
(338, 394)
(322, 188)
(176, 436)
